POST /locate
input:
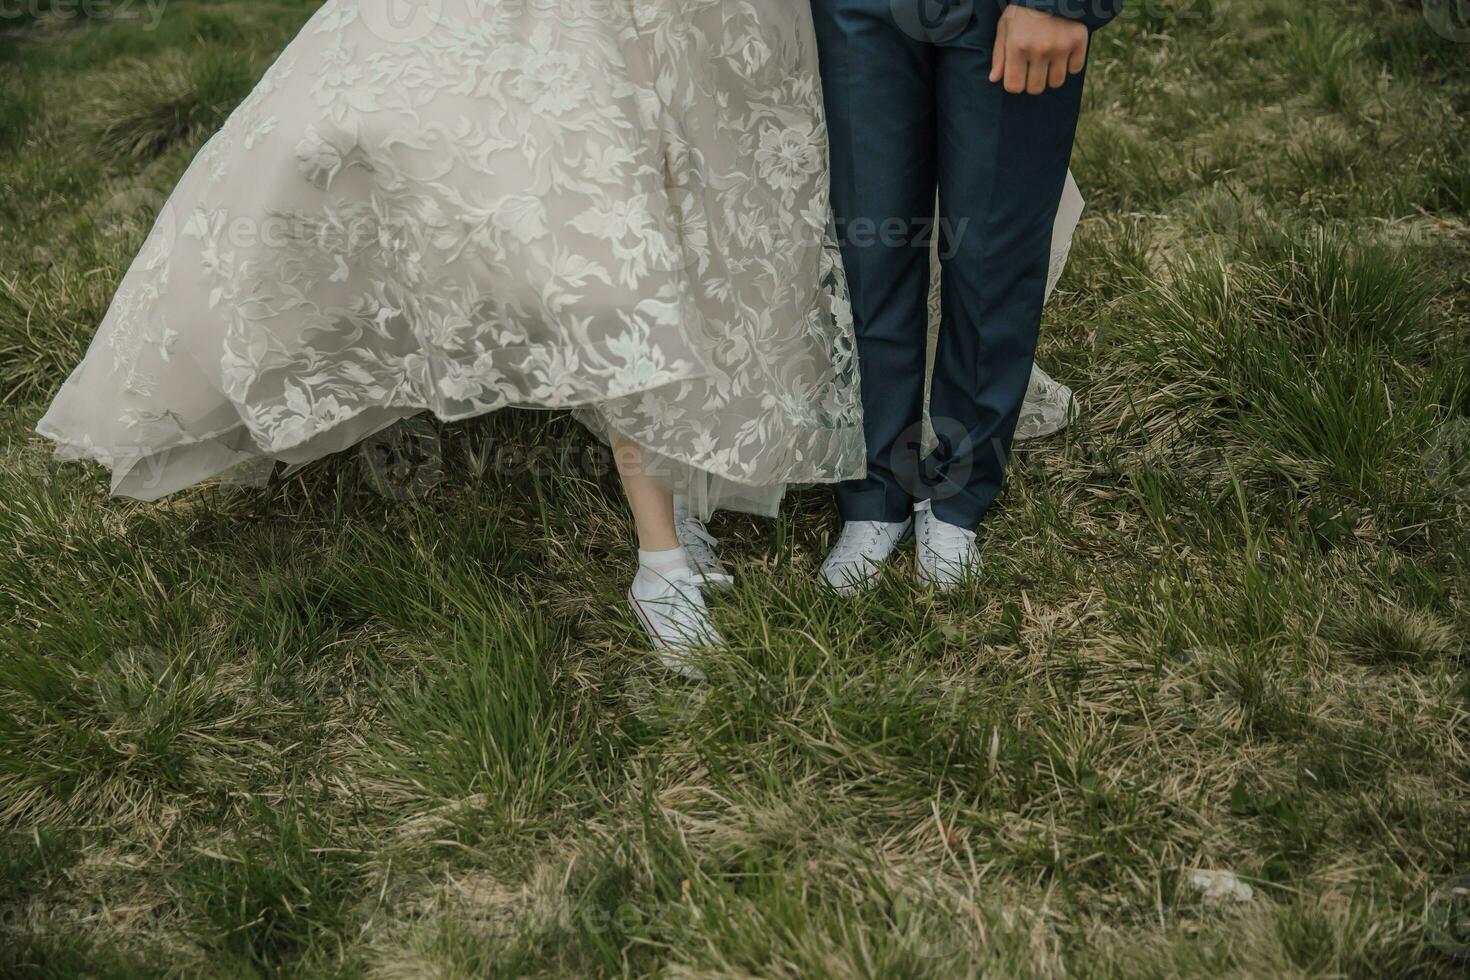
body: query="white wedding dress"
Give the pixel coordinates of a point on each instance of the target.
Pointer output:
(617, 207)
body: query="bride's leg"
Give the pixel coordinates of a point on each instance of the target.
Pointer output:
(665, 525)
(665, 593)
(652, 503)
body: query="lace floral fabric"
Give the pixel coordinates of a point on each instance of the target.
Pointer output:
(618, 206)
(615, 206)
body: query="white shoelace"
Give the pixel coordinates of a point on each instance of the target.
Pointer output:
(948, 539)
(862, 540)
(859, 539)
(699, 543)
(945, 543)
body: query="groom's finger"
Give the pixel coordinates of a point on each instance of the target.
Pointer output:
(1078, 60)
(998, 54)
(1036, 72)
(1015, 72)
(1057, 77)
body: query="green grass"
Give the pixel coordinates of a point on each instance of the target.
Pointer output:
(310, 731)
(155, 105)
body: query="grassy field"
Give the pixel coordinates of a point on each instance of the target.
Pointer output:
(318, 731)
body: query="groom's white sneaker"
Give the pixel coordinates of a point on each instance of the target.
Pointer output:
(671, 609)
(860, 552)
(946, 555)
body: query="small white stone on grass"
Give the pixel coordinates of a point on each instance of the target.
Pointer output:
(1220, 886)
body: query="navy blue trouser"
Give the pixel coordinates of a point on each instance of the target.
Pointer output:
(910, 111)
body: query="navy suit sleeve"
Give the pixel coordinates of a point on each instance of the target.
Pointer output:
(1093, 13)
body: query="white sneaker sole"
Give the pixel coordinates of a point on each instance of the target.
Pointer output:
(941, 585)
(855, 586)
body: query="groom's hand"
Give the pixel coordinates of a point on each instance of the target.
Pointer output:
(1035, 51)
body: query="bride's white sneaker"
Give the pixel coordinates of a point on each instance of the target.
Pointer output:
(700, 545)
(671, 609)
(946, 554)
(861, 550)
